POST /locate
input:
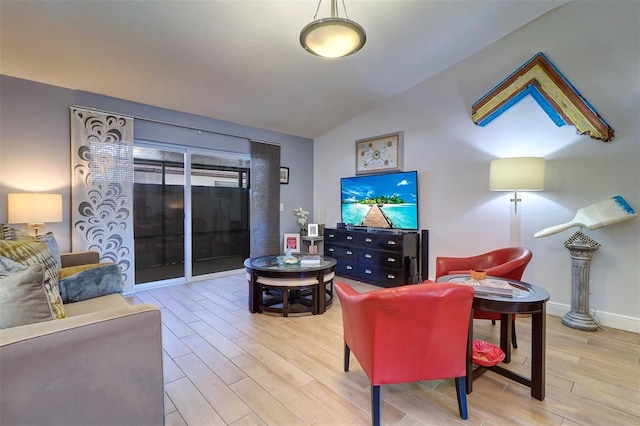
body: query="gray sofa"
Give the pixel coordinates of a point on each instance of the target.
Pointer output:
(101, 365)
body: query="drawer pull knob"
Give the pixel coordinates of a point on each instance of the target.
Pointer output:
(349, 237)
(391, 276)
(391, 260)
(367, 271)
(349, 267)
(349, 252)
(391, 243)
(332, 236)
(368, 239)
(368, 256)
(332, 249)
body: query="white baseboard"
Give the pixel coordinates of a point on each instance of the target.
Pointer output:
(606, 319)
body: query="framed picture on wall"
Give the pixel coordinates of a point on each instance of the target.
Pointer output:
(284, 175)
(312, 230)
(292, 242)
(379, 154)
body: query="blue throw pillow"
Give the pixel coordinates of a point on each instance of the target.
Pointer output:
(90, 283)
(8, 266)
(50, 239)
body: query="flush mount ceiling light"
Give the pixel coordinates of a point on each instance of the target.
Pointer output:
(333, 37)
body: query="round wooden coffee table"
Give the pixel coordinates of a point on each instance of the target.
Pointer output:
(289, 289)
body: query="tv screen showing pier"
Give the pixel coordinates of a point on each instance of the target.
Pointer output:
(384, 201)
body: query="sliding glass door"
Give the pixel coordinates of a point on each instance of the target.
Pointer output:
(158, 218)
(190, 214)
(219, 215)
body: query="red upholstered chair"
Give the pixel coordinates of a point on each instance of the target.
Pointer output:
(408, 334)
(507, 263)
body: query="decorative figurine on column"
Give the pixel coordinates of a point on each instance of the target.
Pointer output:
(581, 248)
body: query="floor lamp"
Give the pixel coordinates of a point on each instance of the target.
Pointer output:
(516, 174)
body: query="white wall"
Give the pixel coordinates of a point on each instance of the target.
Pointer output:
(596, 45)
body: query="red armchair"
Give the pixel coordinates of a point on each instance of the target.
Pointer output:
(507, 263)
(407, 334)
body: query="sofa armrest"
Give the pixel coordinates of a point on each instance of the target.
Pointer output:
(99, 368)
(79, 258)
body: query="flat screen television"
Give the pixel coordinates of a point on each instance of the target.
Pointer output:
(386, 201)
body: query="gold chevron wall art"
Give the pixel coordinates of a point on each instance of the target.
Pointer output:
(555, 94)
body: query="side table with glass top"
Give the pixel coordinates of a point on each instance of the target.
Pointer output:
(525, 299)
(315, 244)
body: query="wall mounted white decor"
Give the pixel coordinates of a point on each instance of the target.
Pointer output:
(379, 154)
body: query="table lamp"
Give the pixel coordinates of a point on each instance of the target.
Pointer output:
(35, 209)
(516, 174)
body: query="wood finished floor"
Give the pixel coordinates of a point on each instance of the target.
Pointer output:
(226, 366)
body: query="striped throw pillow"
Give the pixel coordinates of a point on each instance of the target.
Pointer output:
(31, 252)
(7, 232)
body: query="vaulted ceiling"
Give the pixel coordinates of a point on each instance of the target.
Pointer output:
(240, 60)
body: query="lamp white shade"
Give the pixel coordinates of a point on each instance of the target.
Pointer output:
(34, 208)
(517, 174)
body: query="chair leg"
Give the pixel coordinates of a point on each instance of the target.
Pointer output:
(285, 302)
(461, 390)
(375, 405)
(347, 353)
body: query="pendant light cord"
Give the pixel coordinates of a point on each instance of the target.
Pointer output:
(344, 6)
(315, 17)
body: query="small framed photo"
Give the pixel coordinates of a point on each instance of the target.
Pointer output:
(379, 154)
(284, 175)
(312, 230)
(292, 242)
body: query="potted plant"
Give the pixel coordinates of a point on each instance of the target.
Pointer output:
(302, 216)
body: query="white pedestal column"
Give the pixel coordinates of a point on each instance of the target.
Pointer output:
(581, 249)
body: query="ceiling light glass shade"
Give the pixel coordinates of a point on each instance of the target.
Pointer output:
(333, 37)
(517, 174)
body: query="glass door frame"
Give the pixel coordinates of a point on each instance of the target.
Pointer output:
(187, 152)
